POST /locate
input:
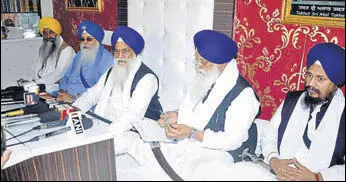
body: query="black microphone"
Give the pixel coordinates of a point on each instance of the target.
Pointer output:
(86, 122)
(49, 116)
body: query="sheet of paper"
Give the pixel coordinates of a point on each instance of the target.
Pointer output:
(150, 130)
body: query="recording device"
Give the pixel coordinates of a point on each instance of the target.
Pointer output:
(45, 117)
(17, 92)
(43, 136)
(86, 123)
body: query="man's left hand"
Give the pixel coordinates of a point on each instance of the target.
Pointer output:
(303, 174)
(178, 131)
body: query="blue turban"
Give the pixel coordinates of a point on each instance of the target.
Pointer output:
(215, 47)
(130, 36)
(332, 59)
(93, 29)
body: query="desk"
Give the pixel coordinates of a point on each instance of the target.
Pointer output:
(89, 156)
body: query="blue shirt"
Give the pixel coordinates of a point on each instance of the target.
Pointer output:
(77, 80)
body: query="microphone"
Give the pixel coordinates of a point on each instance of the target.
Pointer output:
(49, 116)
(78, 122)
(45, 117)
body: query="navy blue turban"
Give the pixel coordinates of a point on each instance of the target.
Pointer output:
(215, 47)
(130, 36)
(332, 59)
(91, 28)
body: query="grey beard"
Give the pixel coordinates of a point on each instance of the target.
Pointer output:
(88, 55)
(201, 84)
(47, 48)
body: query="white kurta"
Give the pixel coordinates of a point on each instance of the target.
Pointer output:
(51, 75)
(189, 157)
(318, 157)
(115, 103)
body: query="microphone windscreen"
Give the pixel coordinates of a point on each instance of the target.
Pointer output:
(49, 116)
(87, 122)
(42, 87)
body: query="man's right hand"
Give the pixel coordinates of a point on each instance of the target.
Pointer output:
(64, 96)
(169, 117)
(282, 166)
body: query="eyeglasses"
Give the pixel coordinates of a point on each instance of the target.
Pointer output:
(88, 39)
(48, 33)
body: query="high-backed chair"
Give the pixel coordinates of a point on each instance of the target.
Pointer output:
(168, 27)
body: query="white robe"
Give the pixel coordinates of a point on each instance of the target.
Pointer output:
(119, 107)
(50, 75)
(189, 157)
(316, 159)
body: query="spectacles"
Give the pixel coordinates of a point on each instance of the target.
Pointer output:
(48, 33)
(88, 39)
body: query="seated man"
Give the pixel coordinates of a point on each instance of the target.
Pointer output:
(90, 63)
(214, 117)
(305, 140)
(55, 56)
(127, 91)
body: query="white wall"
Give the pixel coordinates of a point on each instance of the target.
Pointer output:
(18, 60)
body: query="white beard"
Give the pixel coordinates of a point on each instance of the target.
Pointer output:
(201, 85)
(120, 74)
(88, 55)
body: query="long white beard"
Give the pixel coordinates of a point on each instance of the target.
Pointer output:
(88, 55)
(201, 85)
(120, 74)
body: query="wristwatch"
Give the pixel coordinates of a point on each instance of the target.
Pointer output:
(192, 137)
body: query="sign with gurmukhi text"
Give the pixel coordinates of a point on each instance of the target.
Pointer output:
(314, 12)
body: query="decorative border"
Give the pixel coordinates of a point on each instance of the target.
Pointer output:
(85, 9)
(308, 20)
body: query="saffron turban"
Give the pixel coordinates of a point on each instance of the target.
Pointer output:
(50, 23)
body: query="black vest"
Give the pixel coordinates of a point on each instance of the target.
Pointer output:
(217, 121)
(154, 109)
(288, 107)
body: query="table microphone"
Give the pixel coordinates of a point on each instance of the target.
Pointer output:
(49, 116)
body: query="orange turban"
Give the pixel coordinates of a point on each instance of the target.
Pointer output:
(51, 23)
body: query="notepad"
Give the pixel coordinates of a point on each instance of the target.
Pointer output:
(150, 131)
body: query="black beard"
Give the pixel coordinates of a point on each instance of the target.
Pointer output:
(313, 101)
(50, 51)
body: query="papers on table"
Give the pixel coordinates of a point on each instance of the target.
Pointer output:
(150, 131)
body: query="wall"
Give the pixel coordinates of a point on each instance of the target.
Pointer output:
(272, 54)
(108, 19)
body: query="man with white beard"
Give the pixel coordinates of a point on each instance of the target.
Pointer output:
(55, 56)
(213, 122)
(128, 91)
(90, 63)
